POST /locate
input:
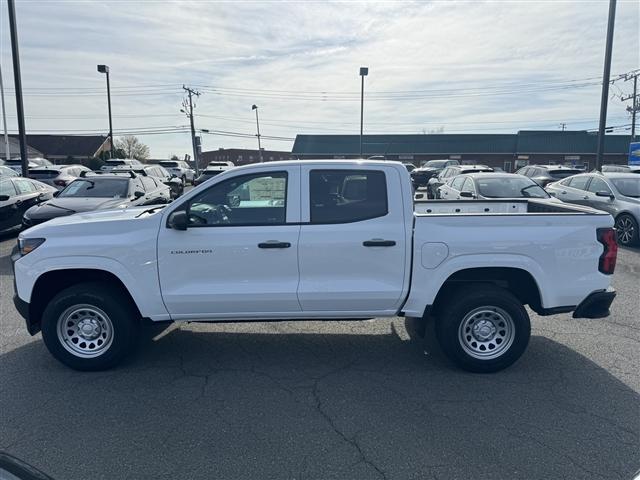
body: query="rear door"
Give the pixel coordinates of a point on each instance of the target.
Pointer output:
(352, 251)
(9, 213)
(577, 190)
(27, 195)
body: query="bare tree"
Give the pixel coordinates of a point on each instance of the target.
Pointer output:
(132, 147)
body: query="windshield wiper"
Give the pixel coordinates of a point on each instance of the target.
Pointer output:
(149, 210)
(62, 208)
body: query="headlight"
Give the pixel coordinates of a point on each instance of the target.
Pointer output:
(28, 245)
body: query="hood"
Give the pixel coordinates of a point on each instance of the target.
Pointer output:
(58, 207)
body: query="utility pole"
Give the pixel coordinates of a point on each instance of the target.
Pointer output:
(7, 148)
(635, 104)
(563, 126)
(191, 92)
(606, 76)
(17, 80)
(105, 69)
(364, 71)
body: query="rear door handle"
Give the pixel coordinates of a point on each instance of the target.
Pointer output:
(274, 244)
(379, 243)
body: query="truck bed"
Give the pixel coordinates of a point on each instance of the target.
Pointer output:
(498, 206)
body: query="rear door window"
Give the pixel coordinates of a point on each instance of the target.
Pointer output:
(468, 186)
(344, 196)
(24, 186)
(148, 183)
(7, 188)
(579, 183)
(457, 183)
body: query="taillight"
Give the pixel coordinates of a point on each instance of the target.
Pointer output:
(60, 183)
(607, 237)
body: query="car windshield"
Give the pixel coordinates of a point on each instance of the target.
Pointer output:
(98, 187)
(564, 173)
(169, 164)
(509, 187)
(43, 173)
(629, 187)
(435, 163)
(476, 170)
(218, 164)
(7, 171)
(115, 162)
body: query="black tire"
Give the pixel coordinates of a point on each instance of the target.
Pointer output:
(91, 301)
(480, 310)
(627, 232)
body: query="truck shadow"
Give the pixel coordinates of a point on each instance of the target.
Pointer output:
(199, 402)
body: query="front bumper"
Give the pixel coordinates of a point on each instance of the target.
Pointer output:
(21, 306)
(596, 305)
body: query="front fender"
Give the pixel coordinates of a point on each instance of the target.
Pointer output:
(144, 287)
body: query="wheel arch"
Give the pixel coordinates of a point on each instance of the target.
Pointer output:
(50, 283)
(518, 281)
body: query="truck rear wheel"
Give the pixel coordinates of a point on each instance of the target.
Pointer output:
(90, 326)
(483, 328)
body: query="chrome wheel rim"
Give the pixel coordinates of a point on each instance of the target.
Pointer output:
(624, 230)
(85, 331)
(486, 332)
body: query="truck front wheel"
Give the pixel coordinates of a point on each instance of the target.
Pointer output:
(90, 326)
(483, 328)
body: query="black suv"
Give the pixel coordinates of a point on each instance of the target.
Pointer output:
(420, 176)
(545, 174)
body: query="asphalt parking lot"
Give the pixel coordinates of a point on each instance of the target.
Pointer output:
(329, 400)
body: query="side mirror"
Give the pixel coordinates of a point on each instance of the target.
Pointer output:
(605, 194)
(467, 195)
(177, 220)
(4, 198)
(138, 194)
(56, 193)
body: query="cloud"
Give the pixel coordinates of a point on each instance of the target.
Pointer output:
(451, 49)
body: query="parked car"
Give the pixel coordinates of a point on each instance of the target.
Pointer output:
(620, 168)
(484, 186)
(448, 173)
(180, 169)
(16, 164)
(100, 192)
(8, 172)
(615, 193)
(119, 163)
(174, 183)
(211, 171)
(409, 166)
(58, 176)
(420, 176)
(320, 240)
(545, 174)
(18, 194)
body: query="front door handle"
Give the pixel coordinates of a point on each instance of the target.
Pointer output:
(274, 244)
(376, 242)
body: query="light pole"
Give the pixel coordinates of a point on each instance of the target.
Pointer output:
(255, 107)
(364, 71)
(605, 84)
(17, 80)
(7, 148)
(105, 69)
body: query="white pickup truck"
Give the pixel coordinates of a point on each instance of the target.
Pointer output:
(313, 240)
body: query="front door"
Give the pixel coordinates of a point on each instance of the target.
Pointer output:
(352, 250)
(238, 257)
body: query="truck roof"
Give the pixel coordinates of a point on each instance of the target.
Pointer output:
(326, 162)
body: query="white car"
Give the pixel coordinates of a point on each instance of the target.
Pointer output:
(119, 163)
(180, 169)
(491, 185)
(314, 240)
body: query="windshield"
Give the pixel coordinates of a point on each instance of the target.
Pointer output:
(560, 174)
(435, 163)
(115, 162)
(169, 164)
(629, 187)
(509, 187)
(218, 164)
(99, 187)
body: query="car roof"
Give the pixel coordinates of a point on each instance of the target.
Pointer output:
(617, 174)
(495, 175)
(553, 167)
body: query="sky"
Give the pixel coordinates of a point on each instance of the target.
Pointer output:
(434, 66)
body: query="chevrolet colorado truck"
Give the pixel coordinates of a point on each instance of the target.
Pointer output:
(314, 240)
